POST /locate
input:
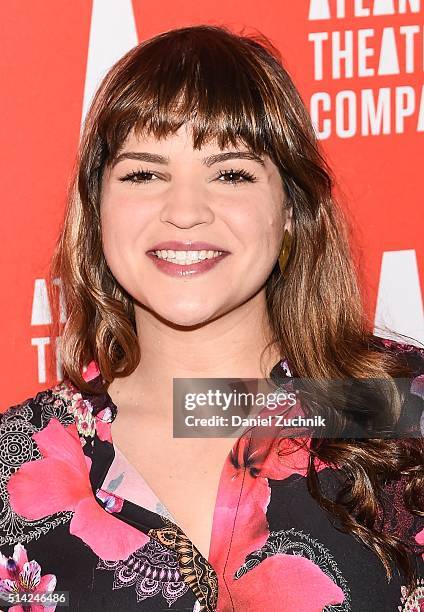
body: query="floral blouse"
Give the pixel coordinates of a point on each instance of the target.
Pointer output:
(76, 517)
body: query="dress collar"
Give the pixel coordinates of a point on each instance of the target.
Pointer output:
(94, 414)
(281, 373)
(105, 409)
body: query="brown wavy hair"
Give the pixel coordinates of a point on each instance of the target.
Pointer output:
(233, 88)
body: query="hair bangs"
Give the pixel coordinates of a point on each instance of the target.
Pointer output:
(208, 86)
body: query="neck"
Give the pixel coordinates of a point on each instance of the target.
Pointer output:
(229, 346)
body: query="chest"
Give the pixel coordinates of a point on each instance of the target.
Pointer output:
(181, 475)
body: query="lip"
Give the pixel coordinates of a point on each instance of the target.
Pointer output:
(186, 245)
(172, 269)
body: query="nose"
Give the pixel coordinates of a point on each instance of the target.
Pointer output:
(186, 206)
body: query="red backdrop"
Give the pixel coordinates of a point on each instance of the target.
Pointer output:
(357, 64)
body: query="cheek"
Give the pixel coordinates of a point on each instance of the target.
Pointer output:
(261, 227)
(121, 243)
(112, 226)
(121, 224)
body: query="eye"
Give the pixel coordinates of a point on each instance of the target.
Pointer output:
(138, 176)
(231, 176)
(235, 177)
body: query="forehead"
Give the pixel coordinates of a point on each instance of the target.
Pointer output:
(183, 137)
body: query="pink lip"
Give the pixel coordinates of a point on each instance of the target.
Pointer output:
(176, 245)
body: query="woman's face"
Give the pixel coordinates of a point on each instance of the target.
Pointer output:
(165, 191)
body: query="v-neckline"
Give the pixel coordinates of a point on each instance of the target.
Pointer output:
(103, 457)
(202, 578)
(195, 569)
(106, 410)
(139, 478)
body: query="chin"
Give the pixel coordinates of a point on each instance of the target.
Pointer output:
(186, 316)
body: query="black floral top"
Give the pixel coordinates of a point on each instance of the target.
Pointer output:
(77, 518)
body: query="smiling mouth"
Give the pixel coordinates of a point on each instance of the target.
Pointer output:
(185, 258)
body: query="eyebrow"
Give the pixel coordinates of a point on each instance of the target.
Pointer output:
(207, 161)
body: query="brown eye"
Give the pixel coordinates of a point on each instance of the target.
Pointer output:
(138, 176)
(235, 177)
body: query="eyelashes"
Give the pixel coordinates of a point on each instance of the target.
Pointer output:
(247, 177)
(224, 176)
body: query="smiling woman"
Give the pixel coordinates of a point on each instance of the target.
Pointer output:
(202, 241)
(160, 196)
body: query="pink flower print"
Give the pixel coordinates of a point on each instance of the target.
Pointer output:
(113, 503)
(104, 417)
(387, 343)
(417, 386)
(65, 392)
(103, 421)
(90, 371)
(285, 459)
(297, 584)
(242, 500)
(18, 575)
(84, 418)
(420, 539)
(415, 601)
(60, 481)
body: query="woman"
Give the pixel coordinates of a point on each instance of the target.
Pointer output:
(202, 240)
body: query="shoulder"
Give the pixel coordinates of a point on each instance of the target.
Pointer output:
(397, 519)
(18, 424)
(412, 357)
(35, 412)
(407, 353)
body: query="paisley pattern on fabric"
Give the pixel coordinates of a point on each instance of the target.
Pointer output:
(194, 568)
(17, 447)
(152, 569)
(415, 601)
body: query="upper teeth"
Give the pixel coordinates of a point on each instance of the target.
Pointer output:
(186, 257)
